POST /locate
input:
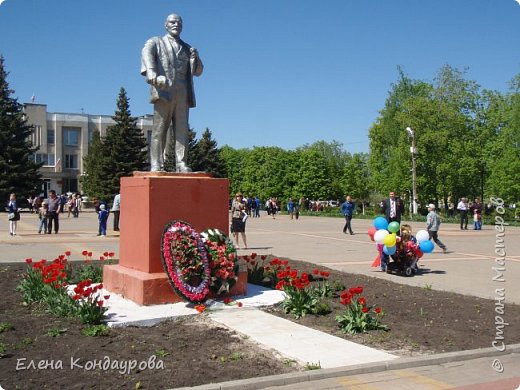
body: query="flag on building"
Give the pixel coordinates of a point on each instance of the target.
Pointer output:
(33, 98)
(58, 164)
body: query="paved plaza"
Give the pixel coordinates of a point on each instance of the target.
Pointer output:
(467, 268)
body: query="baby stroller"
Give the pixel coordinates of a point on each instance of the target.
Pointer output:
(407, 254)
(403, 262)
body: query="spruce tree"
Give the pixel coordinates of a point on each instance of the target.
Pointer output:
(93, 182)
(18, 171)
(205, 156)
(170, 161)
(124, 146)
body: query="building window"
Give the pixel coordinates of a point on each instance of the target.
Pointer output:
(71, 161)
(46, 159)
(71, 136)
(36, 136)
(90, 136)
(50, 137)
(46, 187)
(70, 185)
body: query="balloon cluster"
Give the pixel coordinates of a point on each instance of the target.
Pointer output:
(385, 235)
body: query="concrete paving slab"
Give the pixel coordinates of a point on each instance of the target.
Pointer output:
(124, 312)
(298, 342)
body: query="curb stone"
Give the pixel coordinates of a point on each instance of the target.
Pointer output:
(307, 376)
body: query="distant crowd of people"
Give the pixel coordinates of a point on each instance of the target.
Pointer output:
(272, 206)
(49, 209)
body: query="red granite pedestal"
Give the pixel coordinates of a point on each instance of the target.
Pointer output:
(149, 201)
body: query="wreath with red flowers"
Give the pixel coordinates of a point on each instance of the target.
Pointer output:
(185, 261)
(223, 260)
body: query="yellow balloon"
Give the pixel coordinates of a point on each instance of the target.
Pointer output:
(390, 240)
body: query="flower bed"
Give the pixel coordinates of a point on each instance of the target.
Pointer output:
(47, 283)
(306, 292)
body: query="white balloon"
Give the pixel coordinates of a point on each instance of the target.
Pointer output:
(422, 235)
(380, 235)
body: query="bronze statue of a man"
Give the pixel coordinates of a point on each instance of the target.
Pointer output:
(169, 64)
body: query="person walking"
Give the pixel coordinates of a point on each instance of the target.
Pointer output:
(393, 208)
(290, 208)
(238, 219)
(53, 212)
(103, 218)
(14, 214)
(476, 210)
(433, 222)
(116, 209)
(253, 208)
(71, 204)
(347, 209)
(257, 209)
(77, 205)
(42, 216)
(273, 207)
(463, 208)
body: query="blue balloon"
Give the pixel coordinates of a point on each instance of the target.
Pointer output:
(426, 246)
(380, 223)
(389, 251)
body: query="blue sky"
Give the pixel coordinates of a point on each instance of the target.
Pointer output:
(277, 72)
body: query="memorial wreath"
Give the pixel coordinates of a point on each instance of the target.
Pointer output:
(223, 260)
(185, 261)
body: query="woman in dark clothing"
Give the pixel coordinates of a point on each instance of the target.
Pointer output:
(238, 219)
(14, 214)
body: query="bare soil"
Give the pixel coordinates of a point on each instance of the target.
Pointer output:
(420, 320)
(196, 351)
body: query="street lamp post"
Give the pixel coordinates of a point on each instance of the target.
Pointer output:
(413, 150)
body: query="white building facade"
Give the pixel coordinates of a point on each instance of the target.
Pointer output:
(63, 140)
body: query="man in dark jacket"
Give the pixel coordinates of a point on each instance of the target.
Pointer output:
(347, 209)
(393, 208)
(53, 212)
